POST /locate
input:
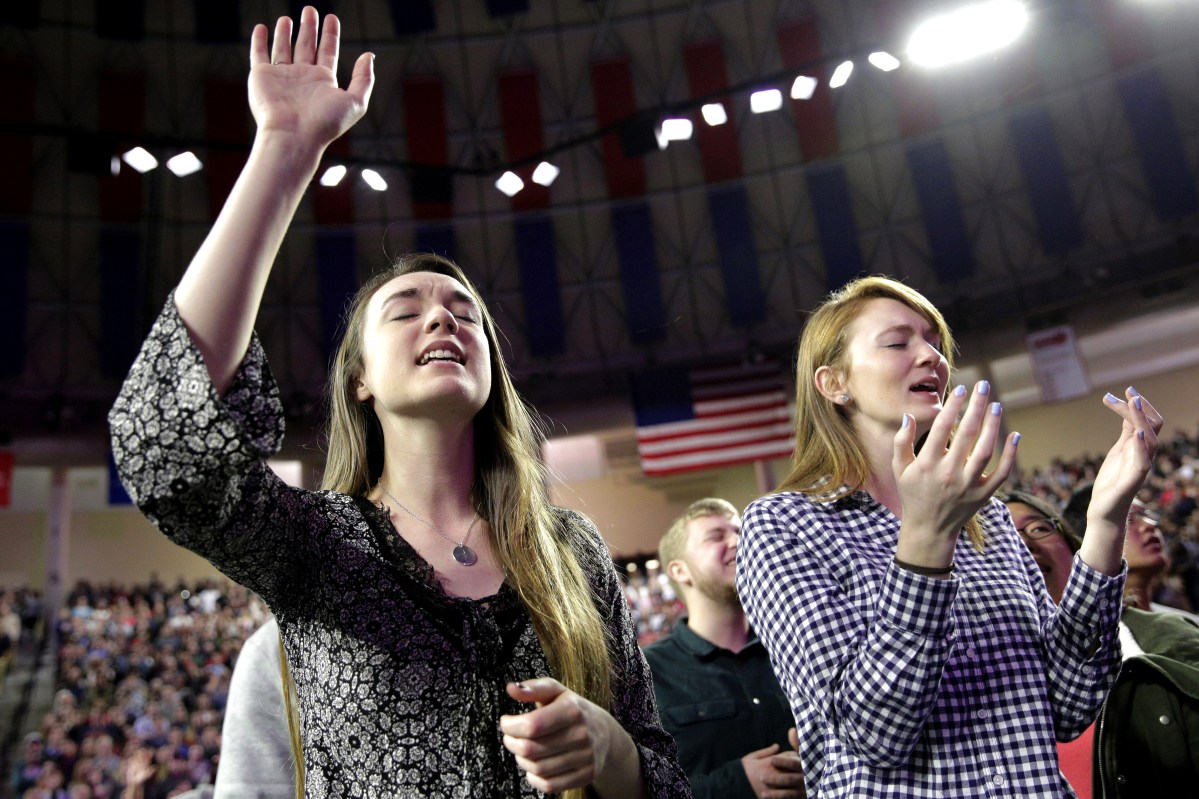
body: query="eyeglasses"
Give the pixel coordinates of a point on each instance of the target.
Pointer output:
(1040, 528)
(1144, 516)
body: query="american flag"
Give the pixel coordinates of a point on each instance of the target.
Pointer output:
(706, 418)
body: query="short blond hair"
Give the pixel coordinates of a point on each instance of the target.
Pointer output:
(674, 543)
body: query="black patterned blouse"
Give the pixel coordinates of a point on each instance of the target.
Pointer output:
(400, 685)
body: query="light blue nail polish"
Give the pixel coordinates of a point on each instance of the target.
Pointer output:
(960, 391)
(983, 386)
(906, 421)
(1015, 439)
(1110, 398)
(1137, 402)
(1141, 434)
(996, 409)
(1133, 391)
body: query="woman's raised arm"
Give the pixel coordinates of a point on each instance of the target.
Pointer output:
(299, 110)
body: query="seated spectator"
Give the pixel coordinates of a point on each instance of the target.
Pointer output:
(1050, 539)
(1146, 740)
(257, 756)
(715, 688)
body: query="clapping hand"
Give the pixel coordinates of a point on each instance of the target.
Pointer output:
(944, 485)
(1120, 477)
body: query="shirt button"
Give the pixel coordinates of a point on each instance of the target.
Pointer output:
(982, 714)
(998, 779)
(1121, 779)
(759, 701)
(1164, 720)
(970, 653)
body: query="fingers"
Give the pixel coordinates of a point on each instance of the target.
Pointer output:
(363, 79)
(938, 435)
(793, 738)
(330, 44)
(281, 49)
(1136, 422)
(787, 762)
(541, 690)
(974, 440)
(305, 52)
(259, 53)
(1142, 404)
(904, 453)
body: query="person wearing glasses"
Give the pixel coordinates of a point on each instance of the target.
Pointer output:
(1146, 739)
(1048, 537)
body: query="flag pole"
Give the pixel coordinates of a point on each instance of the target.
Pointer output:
(765, 474)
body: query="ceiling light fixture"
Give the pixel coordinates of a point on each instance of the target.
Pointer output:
(545, 173)
(140, 159)
(841, 75)
(765, 100)
(184, 164)
(804, 87)
(714, 114)
(967, 32)
(374, 180)
(510, 183)
(333, 175)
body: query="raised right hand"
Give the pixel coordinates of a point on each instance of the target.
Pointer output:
(295, 92)
(944, 485)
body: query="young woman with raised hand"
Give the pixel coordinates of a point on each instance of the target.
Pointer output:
(906, 620)
(447, 631)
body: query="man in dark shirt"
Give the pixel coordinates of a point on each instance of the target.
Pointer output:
(716, 691)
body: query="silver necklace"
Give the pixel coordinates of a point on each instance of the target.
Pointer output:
(462, 553)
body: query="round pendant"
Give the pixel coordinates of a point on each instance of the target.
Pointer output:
(465, 555)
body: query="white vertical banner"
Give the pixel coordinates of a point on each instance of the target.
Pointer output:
(1057, 364)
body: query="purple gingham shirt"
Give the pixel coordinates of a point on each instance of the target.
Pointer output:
(911, 686)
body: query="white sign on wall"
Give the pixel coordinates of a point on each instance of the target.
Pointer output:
(1057, 364)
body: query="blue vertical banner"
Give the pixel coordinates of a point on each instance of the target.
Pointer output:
(120, 330)
(1158, 144)
(14, 271)
(539, 286)
(640, 284)
(940, 210)
(729, 209)
(1045, 181)
(337, 271)
(828, 190)
(438, 239)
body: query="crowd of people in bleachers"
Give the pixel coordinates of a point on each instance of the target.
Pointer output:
(143, 674)
(143, 671)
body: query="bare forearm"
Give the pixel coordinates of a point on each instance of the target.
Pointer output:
(219, 295)
(1103, 546)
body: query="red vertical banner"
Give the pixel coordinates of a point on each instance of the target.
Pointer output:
(121, 117)
(799, 44)
(718, 145)
(612, 85)
(6, 467)
(17, 83)
(227, 124)
(428, 144)
(520, 117)
(914, 92)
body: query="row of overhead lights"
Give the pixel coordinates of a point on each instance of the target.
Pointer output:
(966, 32)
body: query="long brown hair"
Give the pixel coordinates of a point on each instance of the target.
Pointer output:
(510, 491)
(829, 461)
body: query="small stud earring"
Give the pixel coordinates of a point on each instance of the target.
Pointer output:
(845, 399)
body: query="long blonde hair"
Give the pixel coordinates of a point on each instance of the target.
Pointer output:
(510, 491)
(829, 461)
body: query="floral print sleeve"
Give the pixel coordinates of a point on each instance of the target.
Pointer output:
(195, 463)
(633, 702)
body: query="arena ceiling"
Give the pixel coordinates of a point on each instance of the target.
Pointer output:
(1053, 181)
